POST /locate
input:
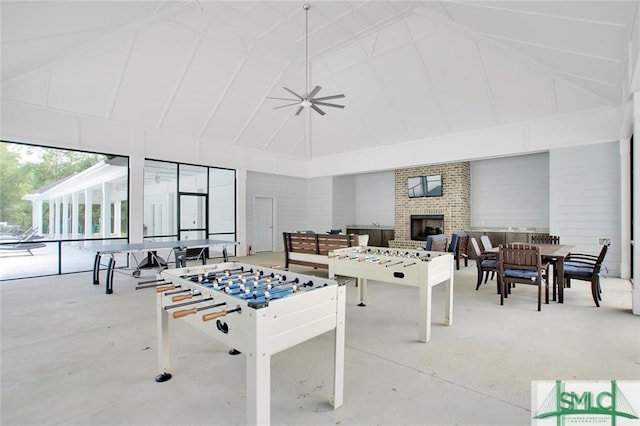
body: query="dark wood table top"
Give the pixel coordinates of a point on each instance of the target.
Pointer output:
(552, 250)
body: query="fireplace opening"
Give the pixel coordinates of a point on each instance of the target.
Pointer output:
(424, 225)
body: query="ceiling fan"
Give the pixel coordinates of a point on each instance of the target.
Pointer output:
(308, 99)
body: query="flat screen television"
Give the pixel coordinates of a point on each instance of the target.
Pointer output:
(424, 186)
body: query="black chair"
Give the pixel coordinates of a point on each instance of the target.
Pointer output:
(586, 267)
(486, 264)
(521, 264)
(458, 248)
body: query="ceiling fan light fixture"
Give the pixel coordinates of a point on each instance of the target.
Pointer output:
(309, 99)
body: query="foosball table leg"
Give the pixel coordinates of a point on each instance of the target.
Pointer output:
(338, 366)
(259, 375)
(424, 322)
(163, 341)
(361, 283)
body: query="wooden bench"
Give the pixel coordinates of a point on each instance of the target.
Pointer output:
(309, 249)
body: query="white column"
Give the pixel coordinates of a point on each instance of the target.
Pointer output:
(75, 219)
(136, 189)
(52, 218)
(636, 209)
(117, 218)
(65, 216)
(88, 207)
(241, 209)
(36, 215)
(105, 210)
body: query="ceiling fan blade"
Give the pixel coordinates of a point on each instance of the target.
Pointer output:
(325, 98)
(282, 99)
(293, 93)
(314, 92)
(318, 110)
(327, 104)
(287, 105)
(299, 110)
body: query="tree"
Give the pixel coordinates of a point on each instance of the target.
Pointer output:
(14, 184)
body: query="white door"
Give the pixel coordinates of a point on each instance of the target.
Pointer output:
(263, 224)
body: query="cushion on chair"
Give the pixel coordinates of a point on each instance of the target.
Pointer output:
(520, 273)
(489, 263)
(578, 269)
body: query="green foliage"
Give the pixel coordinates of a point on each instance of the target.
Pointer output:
(24, 169)
(14, 184)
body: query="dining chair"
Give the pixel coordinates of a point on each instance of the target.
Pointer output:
(586, 267)
(545, 239)
(458, 248)
(486, 264)
(521, 264)
(486, 243)
(436, 243)
(548, 239)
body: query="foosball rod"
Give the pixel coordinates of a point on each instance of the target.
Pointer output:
(260, 276)
(236, 286)
(191, 302)
(191, 311)
(154, 283)
(215, 273)
(169, 293)
(255, 293)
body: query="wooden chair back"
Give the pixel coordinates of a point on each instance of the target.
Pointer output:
(519, 256)
(545, 239)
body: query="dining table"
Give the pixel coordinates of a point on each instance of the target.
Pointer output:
(558, 252)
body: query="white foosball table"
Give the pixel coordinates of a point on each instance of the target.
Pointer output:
(257, 311)
(416, 268)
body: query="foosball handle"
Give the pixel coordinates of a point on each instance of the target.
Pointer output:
(181, 297)
(184, 313)
(213, 315)
(165, 288)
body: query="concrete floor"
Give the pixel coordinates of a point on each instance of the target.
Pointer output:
(72, 355)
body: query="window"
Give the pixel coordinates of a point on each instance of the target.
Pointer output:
(52, 201)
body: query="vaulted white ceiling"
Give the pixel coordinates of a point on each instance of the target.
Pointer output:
(410, 70)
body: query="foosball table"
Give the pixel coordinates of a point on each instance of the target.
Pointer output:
(256, 311)
(416, 268)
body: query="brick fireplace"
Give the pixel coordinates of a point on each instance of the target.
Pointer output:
(454, 206)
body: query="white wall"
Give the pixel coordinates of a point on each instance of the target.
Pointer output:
(511, 192)
(319, 203)
(344, 194)
(290, 203)
(374, 198)
(300, 204)
(585, 199)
